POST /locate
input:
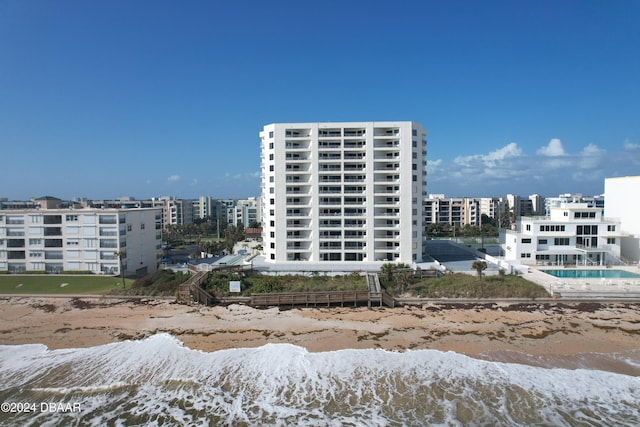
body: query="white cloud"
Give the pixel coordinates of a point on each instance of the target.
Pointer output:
(590, 157)
(247, 176)
(547, 170)
(630, 146)
(194, 182)
(174, 178)
(509, 151)
(553, 149)
(433, 165)
(592, 150)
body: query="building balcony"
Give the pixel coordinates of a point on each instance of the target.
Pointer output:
(380, 189)
(330, 212)
(297, 168)
(331, 224)
(298, 237)
(332, 178)
(330, 236)
(354, 167)
(354, 145)
(298, 203)
(354, 190)
(330, 245)
(298, 224)
(329, 145)
(298, 246)
(355, 201)
(380, 213)
(355, 235)
(296, 158)
(330, 202)
(297, 133)
(298, 255)
(355, 223)
(297, 212)
(386, 167)
(297, 146)
(298, 179)
(329, 133)
(354, 179)
(330, 156)
(330, 190)
(351, 132)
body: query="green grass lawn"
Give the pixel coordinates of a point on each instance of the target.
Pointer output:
(59, 284)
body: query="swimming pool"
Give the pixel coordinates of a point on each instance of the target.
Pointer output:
(592, 274)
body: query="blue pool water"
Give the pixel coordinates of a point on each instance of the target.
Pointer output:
(592, 274)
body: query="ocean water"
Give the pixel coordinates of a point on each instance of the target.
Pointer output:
(159, 382)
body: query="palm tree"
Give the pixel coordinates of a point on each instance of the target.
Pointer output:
(388, 269)
(479, 267)
(404, 279)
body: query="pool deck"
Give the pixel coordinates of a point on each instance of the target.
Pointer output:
(587, 287)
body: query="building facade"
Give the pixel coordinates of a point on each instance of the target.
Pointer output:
(94, 240)
(622, 203)
(573, 234)
(245, 211)
(461, 211)
(343, 192)
(451, 210)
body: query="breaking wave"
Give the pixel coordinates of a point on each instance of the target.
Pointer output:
(158, 381)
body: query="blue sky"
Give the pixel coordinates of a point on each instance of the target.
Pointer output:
(134, 98)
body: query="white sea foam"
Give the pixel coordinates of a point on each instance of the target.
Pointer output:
(159, 381)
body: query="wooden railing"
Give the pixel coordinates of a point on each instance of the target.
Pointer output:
(310, 298)
(191, 290)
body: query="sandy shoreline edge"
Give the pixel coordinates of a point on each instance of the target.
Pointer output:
(535, 329)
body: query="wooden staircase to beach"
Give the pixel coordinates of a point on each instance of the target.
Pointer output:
(191, 290)
(377, 295)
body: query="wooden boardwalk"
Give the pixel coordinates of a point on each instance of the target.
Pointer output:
(373, 296)
(192, 290)
(307, 299)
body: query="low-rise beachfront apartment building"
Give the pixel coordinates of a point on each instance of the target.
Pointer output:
(53, 240)
(572, 234)
(343, 192)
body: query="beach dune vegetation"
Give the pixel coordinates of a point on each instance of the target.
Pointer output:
(459, 285)
(218, 283)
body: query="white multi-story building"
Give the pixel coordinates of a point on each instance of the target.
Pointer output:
(573, 233)
(591, 201)
(533, 205)
(343, 192)
(622, 203)
(245, 212)
(93, 240)
(451, 210)
(176, 211)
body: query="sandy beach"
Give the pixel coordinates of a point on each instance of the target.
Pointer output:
(536, 329)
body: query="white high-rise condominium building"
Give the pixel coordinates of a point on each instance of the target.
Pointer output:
(343, 192)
